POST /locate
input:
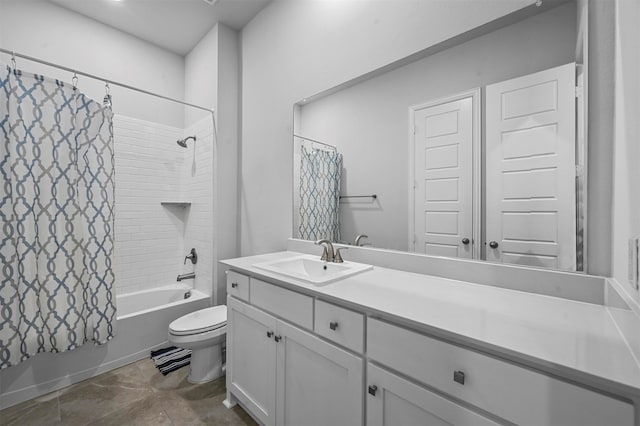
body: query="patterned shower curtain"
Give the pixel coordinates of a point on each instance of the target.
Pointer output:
(320, 173)
(57, 214)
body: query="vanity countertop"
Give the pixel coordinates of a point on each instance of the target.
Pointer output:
(575, 340)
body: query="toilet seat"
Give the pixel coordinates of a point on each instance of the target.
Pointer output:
(201, 321)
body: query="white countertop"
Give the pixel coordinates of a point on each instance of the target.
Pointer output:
(575, 340)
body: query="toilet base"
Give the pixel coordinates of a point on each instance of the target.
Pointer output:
(206, 364)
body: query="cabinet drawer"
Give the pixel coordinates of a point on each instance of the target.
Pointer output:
(284, 303)
(238, 285)
(517, 394)
(340, 325)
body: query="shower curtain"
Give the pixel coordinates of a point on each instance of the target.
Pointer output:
(320, 173)
(57, 214)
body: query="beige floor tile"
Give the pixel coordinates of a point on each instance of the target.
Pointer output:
(145, 412)
(93, 399)
(39, 411)
(136, 394)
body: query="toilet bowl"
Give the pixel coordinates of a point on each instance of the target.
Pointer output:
(203, 332)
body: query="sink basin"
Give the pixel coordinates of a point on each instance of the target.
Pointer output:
(311, 269)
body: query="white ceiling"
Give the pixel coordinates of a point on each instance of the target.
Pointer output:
(176, 25)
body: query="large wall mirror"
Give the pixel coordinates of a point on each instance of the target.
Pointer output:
(475, 149)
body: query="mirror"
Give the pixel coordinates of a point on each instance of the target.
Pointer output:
(473, 150)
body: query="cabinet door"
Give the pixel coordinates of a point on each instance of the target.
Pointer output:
(317, 383)
(251, 359)
(393, 401)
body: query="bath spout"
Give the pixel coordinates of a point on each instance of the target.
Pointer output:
(189, 276)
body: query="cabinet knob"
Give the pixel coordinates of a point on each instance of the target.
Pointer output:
(458, 377)
(373, 389)
(465, 241)
(234, 285)
(277, 338)
(493, 244)
(333, 325)
(269, 334)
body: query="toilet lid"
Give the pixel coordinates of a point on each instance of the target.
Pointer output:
(200, 321)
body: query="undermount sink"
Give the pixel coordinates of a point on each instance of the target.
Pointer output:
(312, 269)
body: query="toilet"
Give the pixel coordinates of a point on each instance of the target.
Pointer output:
(203, 332)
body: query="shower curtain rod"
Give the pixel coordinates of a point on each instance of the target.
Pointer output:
(313, 140)
(106, 80)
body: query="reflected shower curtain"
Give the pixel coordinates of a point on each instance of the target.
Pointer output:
(57, 214)
(320, 173)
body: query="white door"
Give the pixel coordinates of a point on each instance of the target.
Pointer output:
(318, 383)
(530, 169)
(251, 359)
(443, 144)
(393, 401)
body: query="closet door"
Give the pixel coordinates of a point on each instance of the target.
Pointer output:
(443, 144)
(530, 169)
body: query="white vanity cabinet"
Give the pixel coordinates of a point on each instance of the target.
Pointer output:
(393, 401)
(296, 359)
(508, 391)
(251, 359)
(283, 374)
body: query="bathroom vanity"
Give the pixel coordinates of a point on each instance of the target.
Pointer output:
(391, 347)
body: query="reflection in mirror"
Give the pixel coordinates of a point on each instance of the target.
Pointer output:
(471, 151)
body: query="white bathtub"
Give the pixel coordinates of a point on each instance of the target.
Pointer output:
(143, 323)
(162, 298)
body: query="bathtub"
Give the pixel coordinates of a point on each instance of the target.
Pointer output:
(158, 299)
(142, 325)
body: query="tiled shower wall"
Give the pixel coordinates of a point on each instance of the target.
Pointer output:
(197, 188)
(152, 238)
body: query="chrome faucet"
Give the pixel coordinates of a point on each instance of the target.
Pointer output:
(187, 276)
(358, 238)
(327, 252)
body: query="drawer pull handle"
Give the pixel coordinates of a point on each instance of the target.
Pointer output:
(269, 334)
(234, 285)
(458, 377)
(277, 338)
(373, 389)
(333, 325)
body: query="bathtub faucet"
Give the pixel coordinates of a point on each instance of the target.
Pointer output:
(189, 276)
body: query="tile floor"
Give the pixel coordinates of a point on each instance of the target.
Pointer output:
(136, 394)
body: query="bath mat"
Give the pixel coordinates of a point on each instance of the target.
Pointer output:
(171, 358)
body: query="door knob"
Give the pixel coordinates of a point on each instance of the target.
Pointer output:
(465, 241)
(493, 244)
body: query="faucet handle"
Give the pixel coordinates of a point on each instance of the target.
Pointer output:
(325, 255)
(193, 256)
(337, 258)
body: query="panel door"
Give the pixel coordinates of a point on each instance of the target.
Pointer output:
(317, 383)
(393, 401)
(443, 170)
(530, 169)
(251, 359)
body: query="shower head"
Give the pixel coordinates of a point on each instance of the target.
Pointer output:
(183, 142)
